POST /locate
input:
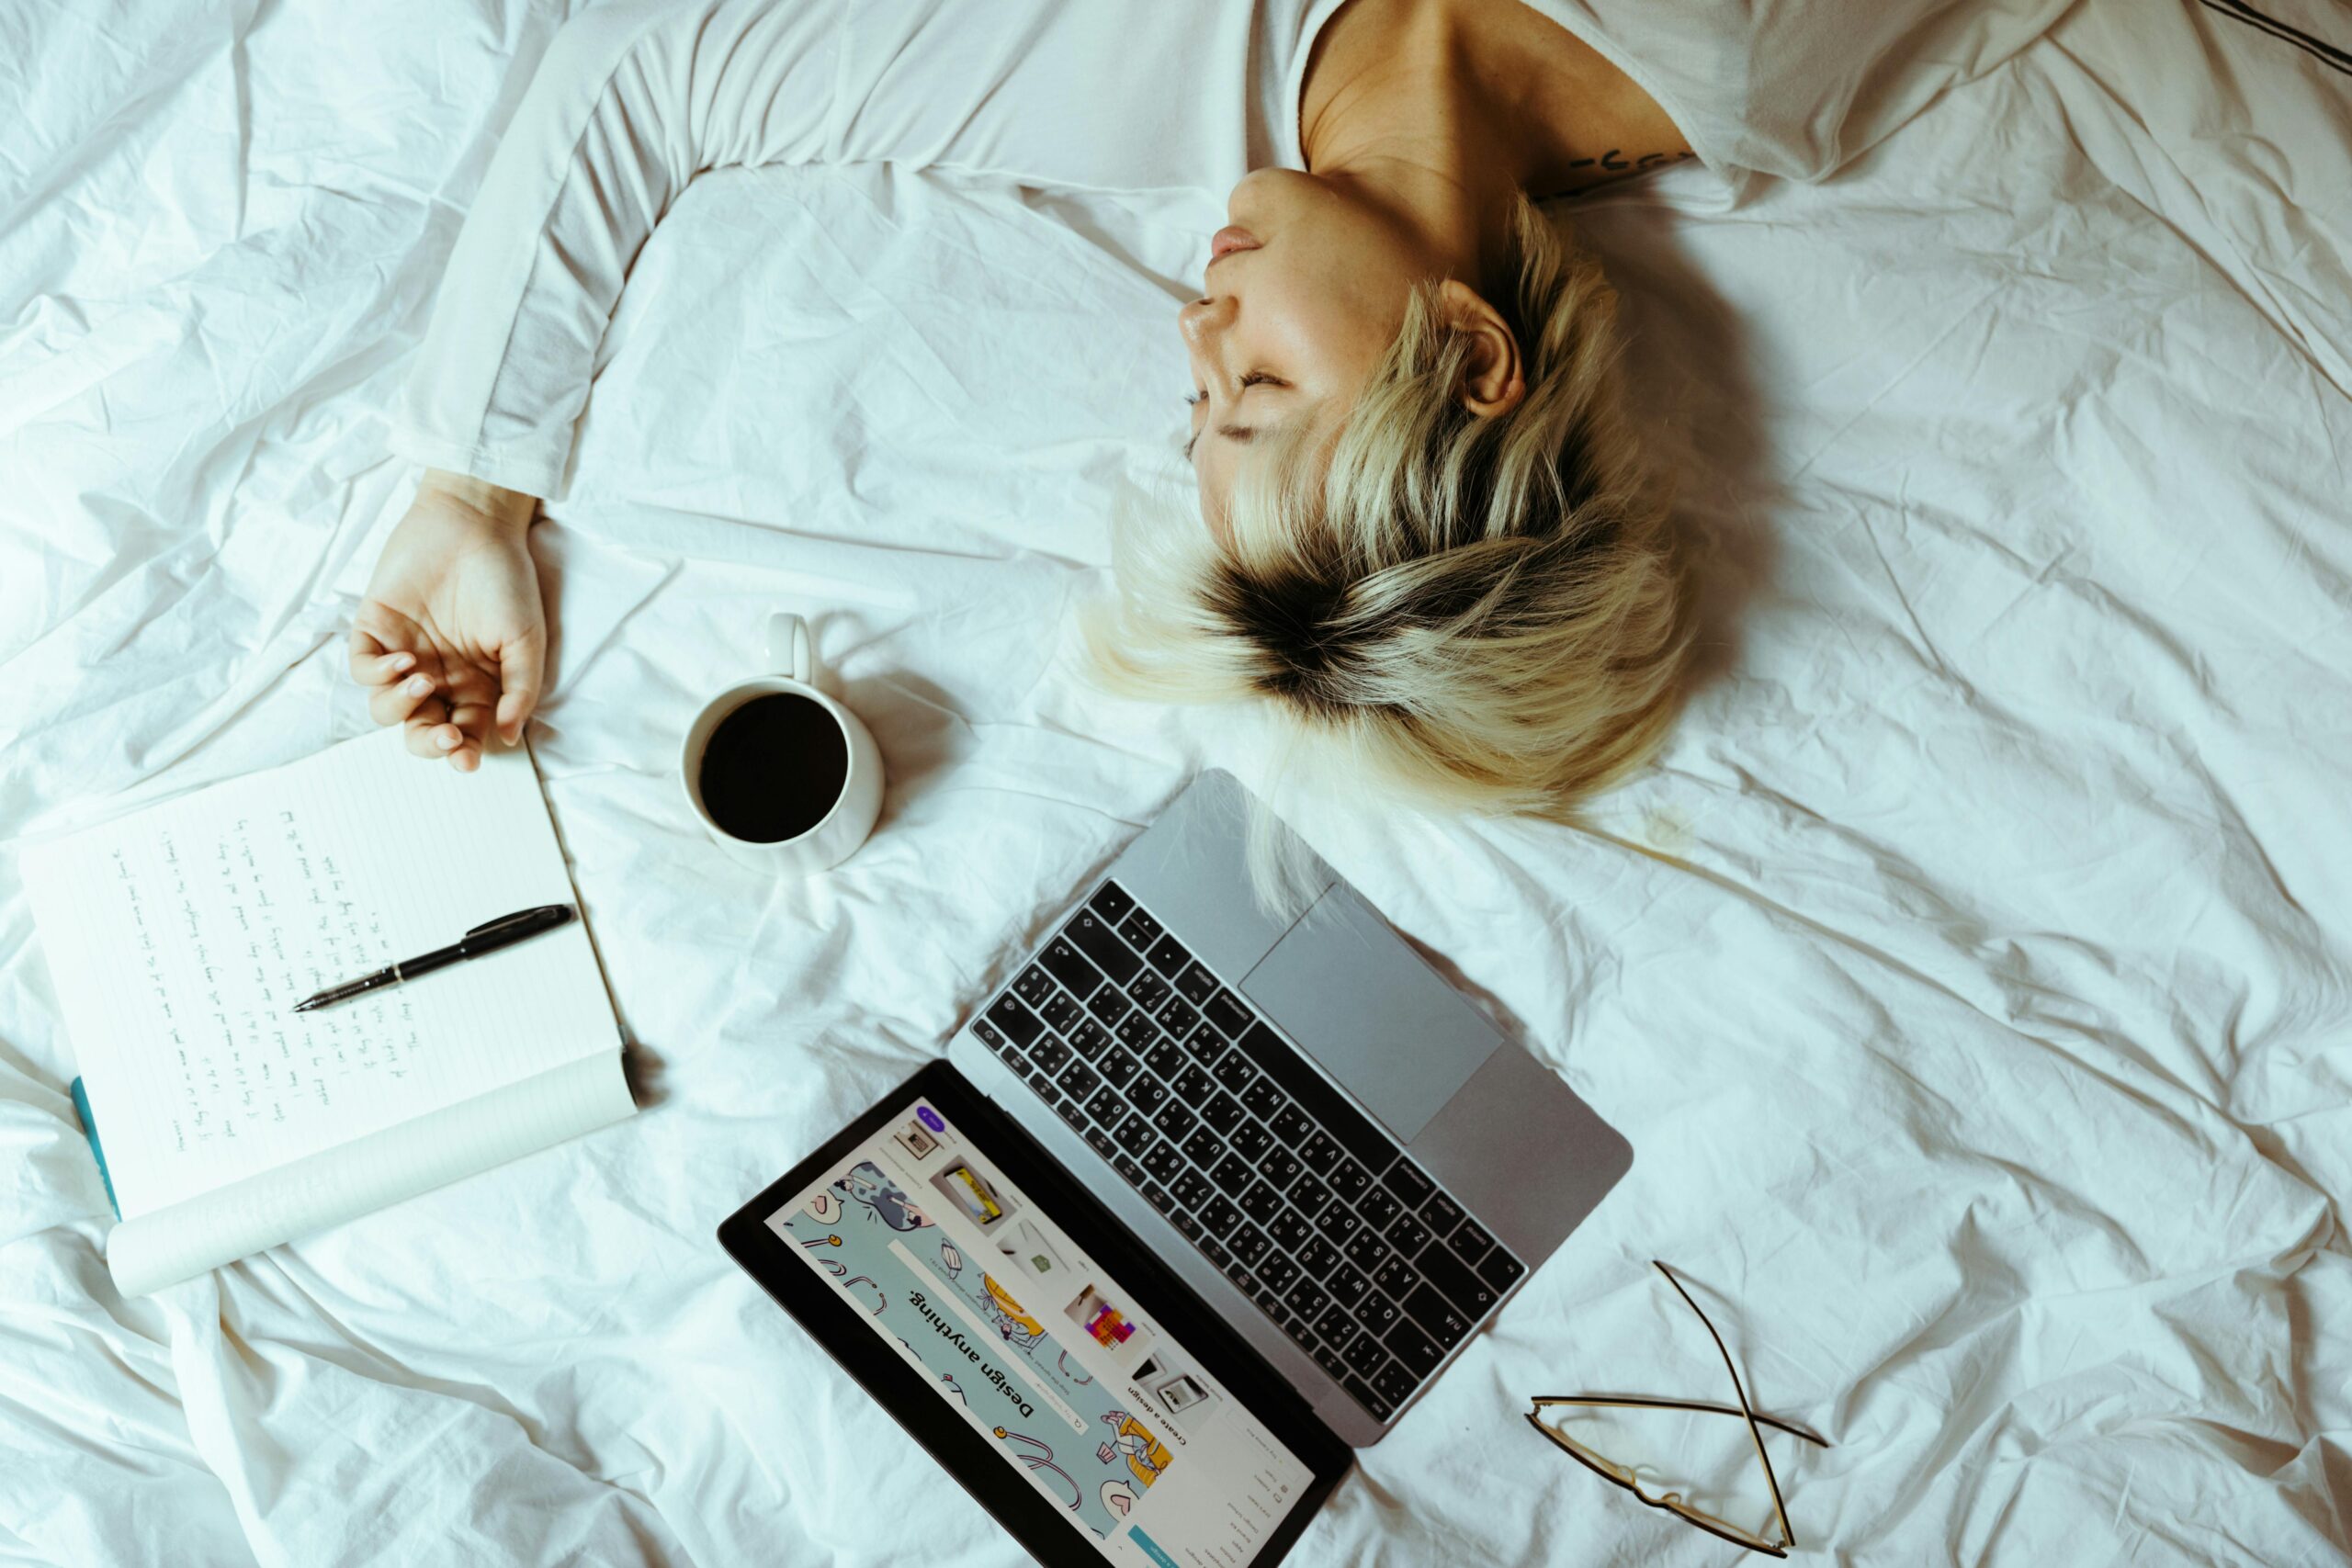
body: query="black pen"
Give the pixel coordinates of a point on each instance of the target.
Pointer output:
(488, 937)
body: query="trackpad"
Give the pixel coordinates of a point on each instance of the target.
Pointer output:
(1362, 1002)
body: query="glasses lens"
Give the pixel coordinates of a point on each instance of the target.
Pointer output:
(1702, 1461)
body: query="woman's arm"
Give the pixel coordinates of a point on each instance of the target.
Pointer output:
(631, 101)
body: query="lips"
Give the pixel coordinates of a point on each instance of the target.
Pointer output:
(1226, 241)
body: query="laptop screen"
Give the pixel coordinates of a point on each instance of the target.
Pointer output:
(1082, 1392)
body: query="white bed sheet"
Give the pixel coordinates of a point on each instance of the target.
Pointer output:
(1971, 977)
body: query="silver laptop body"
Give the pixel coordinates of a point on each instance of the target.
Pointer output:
(1301, 1117)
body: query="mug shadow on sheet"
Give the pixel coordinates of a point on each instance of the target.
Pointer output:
(1688, 378)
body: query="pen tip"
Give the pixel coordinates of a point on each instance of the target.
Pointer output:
(304, 1006)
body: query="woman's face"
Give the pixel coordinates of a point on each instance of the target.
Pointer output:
(1304, 295)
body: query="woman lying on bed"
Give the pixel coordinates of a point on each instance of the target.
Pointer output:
(1427, 533)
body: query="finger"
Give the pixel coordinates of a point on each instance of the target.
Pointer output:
(520, 665)
(429, 731)
(372, 663)
(394, 704)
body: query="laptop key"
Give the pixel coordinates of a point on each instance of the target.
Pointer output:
(1395, 1277)
(1377, 1313)
(1465, 1290)
(1307, 1298)
(1409, 1235)
(1017, 1062)
(1148, 991)
(1157, 1196)
(1405, 1178)
(1176, 1016)
(1207, 1047)
(1033, 986)
(1192, 1189)
(1334, 1324)
(1349, 1180)
(1146, 1093)
(1346, 1285)
(1117, 1066)
(1249, 1244)
(1363, 1393)
(1204, 1148)
(1469, 1243)
(1290, 1125)
(1225, 1010)
(1062, 1013)
(1163, 1162)
(1137, 1032)
(1289, 1229)
(1234, 1174)
(1319, 1258)
(1213, 1251)
(1016, 1021)
(1378, 1206)
(1320, 1153)
(1310, 1195)
(1414, 1349)
(1074, 1113)
(1222, 1215)
(1168, 956)
(1251, 1140)
(990, 1035)
(1234, 1071)
(1365, 1355)
(1186, 1224)
(1442, 1212)
(1280, 1166)
(1241, 1276)
(1050, 1054)
(1262, 1202)
(1196, 984)
(1262, 1097)
(1368, 1252)
(1090, 1039)
(1135, 1135)
(1164, 1056)
(1437, 1315)
(1111, 902)
(1276, 1270)
(1078, 1079)
(1095, 939)
(1110, 1005)
(1140, 930)
(1501, 1270)
(1129, 1169)
(1099, 1142)
(1328, 1359)
(1340, 1222)
(1223, 1112)
(1396, 1383)
(1174, 1121)
(1072, 967)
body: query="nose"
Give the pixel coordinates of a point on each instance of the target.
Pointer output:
(1201, 320)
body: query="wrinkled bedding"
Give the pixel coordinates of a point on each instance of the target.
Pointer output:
(1971, 976)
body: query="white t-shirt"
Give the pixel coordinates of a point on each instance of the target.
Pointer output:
(635, 97)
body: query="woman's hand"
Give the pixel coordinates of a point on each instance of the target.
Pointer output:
(451, 638)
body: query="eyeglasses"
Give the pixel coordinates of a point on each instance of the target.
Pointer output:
(1673, 1501)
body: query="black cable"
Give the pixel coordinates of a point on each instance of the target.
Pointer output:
(2325, 53)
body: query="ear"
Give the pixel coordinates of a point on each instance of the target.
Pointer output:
(1494, 382)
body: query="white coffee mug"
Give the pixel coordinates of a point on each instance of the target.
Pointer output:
(838, 832)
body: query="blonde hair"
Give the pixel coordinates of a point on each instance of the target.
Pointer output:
(1485, 611)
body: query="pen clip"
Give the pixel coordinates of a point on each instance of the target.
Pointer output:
(518, 917)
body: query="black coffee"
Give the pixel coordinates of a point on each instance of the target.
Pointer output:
(774, 768)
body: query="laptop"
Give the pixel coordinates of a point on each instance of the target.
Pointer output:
(1201, 1201)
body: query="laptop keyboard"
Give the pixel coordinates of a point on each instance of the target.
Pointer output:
(1281, 1182)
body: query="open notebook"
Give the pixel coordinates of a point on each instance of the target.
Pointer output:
(181, 936)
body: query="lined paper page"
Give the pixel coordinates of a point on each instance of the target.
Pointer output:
(181, 937)
(343, 1183)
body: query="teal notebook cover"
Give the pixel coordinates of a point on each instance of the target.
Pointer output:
(90, 1130)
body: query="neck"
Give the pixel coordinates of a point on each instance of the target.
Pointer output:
(1447, 110)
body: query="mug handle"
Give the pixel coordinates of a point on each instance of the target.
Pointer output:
(789, 652)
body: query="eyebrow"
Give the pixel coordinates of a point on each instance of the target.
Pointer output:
(1243, 433)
